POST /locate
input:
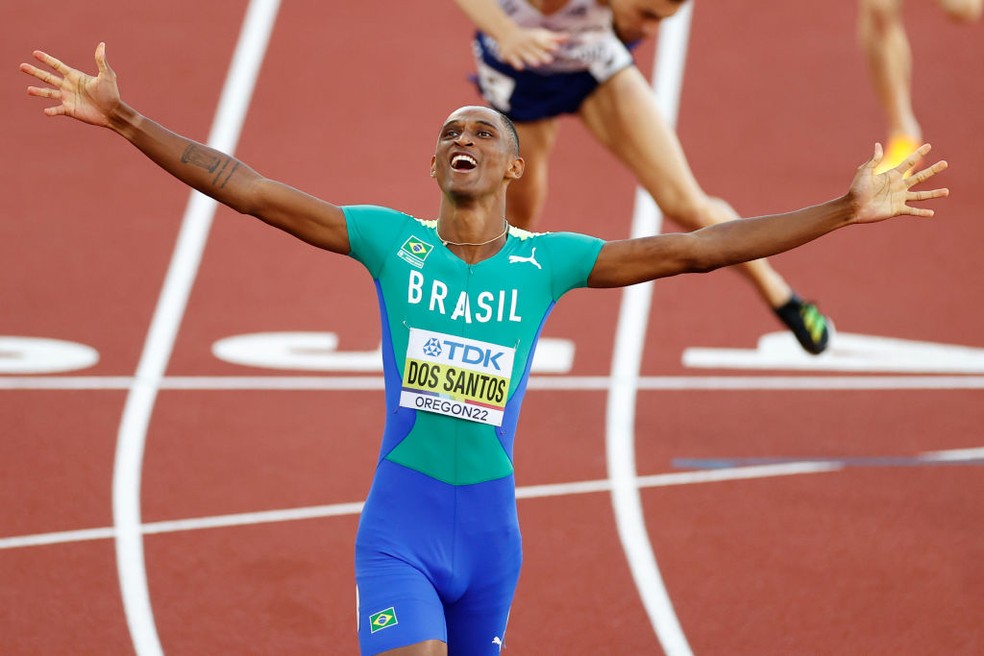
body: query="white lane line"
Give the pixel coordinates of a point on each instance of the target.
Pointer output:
(168, 314)
(626, 362)
(953, 455)
(264, 517)
(59, 537)
(553, 383)
(695, 477)
(353, 508)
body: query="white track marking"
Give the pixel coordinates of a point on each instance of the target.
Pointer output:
(336, 510)
(696, 477)
(317, 352)
(311, 351)
(848, 352)
(626, 361)
(552, 383)
(60, 537)
(39, 355)
(953, 455)
(168, 314)
(526, 492)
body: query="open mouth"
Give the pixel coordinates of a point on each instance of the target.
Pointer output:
(463, 162)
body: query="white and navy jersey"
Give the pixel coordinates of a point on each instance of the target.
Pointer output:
(592, 45)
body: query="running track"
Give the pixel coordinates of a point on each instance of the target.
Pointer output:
(249, 478)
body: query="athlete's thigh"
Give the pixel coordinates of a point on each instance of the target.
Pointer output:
(398, 605)
(962, 10)
(882, 8)
(623, 115)
(526, 196)
(476, 632)
(536, 139)
(477, 620)
(428, 648)
(536, 142)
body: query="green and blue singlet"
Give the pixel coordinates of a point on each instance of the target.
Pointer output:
(438, 548)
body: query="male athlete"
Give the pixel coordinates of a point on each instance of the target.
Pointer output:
(540, 59)
(462, 300)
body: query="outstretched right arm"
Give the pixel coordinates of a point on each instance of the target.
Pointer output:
(96, 100)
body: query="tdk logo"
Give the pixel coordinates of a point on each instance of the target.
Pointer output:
(432, 347)
(468, 354)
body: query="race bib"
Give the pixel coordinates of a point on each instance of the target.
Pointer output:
(456, 376)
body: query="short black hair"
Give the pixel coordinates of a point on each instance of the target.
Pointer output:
(511, 127)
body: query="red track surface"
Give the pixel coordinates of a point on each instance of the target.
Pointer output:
(775, 114)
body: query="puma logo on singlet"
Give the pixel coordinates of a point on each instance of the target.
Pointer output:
(531, 259)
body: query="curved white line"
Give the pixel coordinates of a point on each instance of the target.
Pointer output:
(626, 362)
(163, 331)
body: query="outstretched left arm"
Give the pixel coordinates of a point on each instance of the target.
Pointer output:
(871, 198)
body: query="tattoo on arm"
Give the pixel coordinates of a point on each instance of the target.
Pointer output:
(211, 161)
(201, 158)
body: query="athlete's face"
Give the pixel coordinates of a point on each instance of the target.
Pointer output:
(639, 19)
(475, 153)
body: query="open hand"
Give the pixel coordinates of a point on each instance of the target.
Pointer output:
(882, 196)
(80, 96)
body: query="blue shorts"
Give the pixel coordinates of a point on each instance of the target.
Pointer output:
(527, 95)
(436, 562)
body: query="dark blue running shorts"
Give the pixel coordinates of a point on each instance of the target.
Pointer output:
(528, 95)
